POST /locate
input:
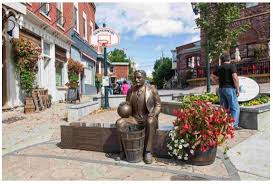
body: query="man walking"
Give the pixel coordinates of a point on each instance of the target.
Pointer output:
(226, 75)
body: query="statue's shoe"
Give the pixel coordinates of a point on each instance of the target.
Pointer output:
(148, 158)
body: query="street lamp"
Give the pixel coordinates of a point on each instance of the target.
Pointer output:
(196, 12)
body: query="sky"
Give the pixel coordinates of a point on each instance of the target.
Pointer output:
(149, 30)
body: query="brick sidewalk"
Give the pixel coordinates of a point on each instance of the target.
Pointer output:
(46, 161)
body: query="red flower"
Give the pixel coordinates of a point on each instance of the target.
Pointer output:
(186, 126)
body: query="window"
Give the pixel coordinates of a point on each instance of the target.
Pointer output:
(91, 30)
(46, 49)
(76, 18)
(193, 61)
(45, 8)
(84, 25)
(59, 73)
(248, 5)
(111, 69)
(251, 50)
(59, 9)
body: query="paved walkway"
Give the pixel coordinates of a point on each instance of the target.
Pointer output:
(30, 152)
(42, 159)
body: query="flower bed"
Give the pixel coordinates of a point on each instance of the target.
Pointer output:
(214, 99)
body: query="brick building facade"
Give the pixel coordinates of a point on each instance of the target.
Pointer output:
(253, 47)
(120, 71)
(256, 38)
(188, 57)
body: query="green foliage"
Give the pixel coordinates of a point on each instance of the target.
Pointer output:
(214, 99)
(216, 22)
(73, 77)
(261, 99)
(162, 71)
(26, 55)
(27, 79)
(118, 55)
(188, 99)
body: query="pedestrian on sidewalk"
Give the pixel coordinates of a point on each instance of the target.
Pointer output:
(226, 76)
(97, 84)
(124, 87)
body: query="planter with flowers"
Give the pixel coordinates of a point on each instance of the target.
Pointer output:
(198, 130)
(26, 55)
(75, 68)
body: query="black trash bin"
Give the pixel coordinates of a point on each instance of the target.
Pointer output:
(132, 138)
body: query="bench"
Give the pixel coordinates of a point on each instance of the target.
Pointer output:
(103, 138)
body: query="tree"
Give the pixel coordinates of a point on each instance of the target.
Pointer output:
(118, 55)
(162, 71)
(215, 19)
(131, 70)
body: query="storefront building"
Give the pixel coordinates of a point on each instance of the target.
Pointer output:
(12, 20)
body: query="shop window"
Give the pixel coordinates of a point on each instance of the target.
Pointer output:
(59, 9)
(59, 73)
(45, 8)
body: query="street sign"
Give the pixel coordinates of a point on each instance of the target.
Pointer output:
(249, 89)
(105, 81)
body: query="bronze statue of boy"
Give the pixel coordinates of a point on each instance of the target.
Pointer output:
(145, 103)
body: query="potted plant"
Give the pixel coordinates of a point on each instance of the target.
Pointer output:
(74, 69)
(26, 55)
(198, 130)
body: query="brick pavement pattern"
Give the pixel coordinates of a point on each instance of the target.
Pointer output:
(30, 152)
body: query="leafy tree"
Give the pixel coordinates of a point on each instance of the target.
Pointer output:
(162, 71)
(118, 55)
(215, 19)
(131, 70)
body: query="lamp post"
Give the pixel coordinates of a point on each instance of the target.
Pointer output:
(106, 99)
(196, 12)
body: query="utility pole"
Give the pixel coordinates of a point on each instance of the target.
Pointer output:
(106, 99)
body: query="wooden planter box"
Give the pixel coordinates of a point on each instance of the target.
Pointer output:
(29, 105)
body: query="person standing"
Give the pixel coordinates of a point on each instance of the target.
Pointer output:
(226, 76)
(124, 88)
(97, 84)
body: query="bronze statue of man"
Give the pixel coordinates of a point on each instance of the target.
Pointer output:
(145, 103)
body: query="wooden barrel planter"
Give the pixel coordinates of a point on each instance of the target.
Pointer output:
(203, 158)
(29, 105)
(132, 139)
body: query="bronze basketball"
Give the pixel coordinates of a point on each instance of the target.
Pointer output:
(124, 110)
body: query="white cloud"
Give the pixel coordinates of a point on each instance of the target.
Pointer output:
(158, 48)
(195, 38)
(143, 19)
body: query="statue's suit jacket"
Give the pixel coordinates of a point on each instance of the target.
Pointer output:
(152, 99)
